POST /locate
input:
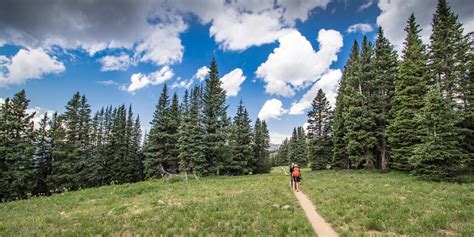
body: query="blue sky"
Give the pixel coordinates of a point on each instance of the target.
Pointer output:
(273, 54)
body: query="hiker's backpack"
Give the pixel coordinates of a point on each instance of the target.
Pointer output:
(296, 172)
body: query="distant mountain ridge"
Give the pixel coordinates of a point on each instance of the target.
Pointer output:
(274, 147)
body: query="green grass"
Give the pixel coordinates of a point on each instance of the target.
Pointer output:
(375, 203)
(219, 206)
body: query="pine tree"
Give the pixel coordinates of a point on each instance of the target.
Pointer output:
(449, 53)
(263, 161)
(122, 165)
(173, 115)
(438, 156)
(136, 150)
(386, 68)
(43, 157)
(241, 140)
(17, 148)
(70, 179)
(410, 89)
(184, 139)
(93, 167)
(283, 155)
(450, 61)
(359, 117)
(319, 132)
(84, 153)
(197, 162)
(215, 121)
(340, 157)
(56, 181)
(155, 150)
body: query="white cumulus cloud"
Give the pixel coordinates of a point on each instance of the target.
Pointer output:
(139, 80)
(116, 63)
(328, 83)
(294, 65)
(201, 73)
(272, 109)
(360, 27)
(27, 64)
(163, 46)
(240, 24)
(231, 82)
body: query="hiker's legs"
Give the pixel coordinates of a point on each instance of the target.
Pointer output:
(297, 185)
(291, 181)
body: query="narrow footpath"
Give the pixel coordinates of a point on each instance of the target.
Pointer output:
(320, 226)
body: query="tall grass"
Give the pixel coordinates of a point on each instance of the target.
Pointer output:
(365, 202)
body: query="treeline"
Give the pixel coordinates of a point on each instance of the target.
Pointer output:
(76, 150)
(413, 114)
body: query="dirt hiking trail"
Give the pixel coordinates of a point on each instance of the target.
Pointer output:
(320, 226)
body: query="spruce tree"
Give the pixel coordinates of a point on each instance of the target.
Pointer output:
(72, 120)
(241, 140)
(43, 157)
(359, 117)
(135, 149)
(263, 161)
(340, 157)
(450, 62)
(155, 150)
(449, 53)
(17, 148)
(173, 117)
(122, 165)
(438, 156)
(319, 132)
(410, 90)
(283, 153)
(215, 121)
(197, 162)
(57, 180)
(184, 139)
(386, 69)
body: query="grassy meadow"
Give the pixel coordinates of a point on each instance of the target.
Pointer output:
(218, 206)
(376, 203)
(357, 203)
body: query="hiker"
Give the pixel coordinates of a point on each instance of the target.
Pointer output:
(296, 177)
(291, 174)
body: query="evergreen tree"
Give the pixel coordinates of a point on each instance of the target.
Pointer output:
(92, 171)
(263, 160)
(215, 121)
(185, 153)
(84, 153)
(155, 151)
(438, 156)
(319, 132)
(136, 150)
(410, 89)
(340, 157)
(449, 53)
(43, 157)
(241, 143)
(386, 68)
(283, 155)
(173, 115)
(359, 117)
(450, 61)
(17, 148)
(57, 180)
(122, 165)
(196, 159)
(70, 179)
